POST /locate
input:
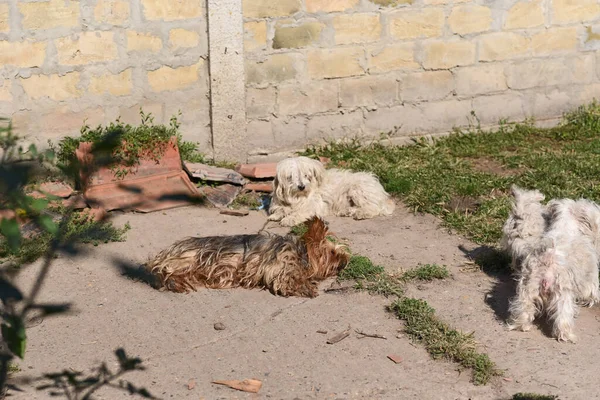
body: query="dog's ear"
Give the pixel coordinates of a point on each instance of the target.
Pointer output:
(316, 231)
(318, 171)
(278, 189)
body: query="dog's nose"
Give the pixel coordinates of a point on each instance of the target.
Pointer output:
(301, 187)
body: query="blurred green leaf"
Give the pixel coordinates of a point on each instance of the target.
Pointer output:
(10, 230)
(13, 332)
(38, 205)
(45, 221)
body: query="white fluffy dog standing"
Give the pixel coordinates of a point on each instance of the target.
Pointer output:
(559, 272)
(303, 188)
(525, 224)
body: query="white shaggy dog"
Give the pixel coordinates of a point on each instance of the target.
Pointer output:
(303, 188)
(525, 225)
(560, 270)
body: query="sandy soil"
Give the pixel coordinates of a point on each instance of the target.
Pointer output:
(275, 339)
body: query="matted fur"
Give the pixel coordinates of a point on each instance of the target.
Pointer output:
(303, 188)
(525, 225)
(559, 270)
(286, 265)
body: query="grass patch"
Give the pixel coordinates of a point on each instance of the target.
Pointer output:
(129, 144)
(371, 277)
(427, 272)
(441, 341)
(13, 368)
(80, 228)
(533, 396)
(465, 178)
(247, 200)
(361, 267)
(299, 230)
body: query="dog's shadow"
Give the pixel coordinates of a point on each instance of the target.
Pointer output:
(496, 264)
(136, 272)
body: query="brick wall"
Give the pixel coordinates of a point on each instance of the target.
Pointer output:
(313, 69)
(64, 61)
(335, 68)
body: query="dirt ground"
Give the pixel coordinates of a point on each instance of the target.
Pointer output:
(275, 339)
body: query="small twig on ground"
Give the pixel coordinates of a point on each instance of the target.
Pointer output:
(264, 226)
(339, 289)
(339, 337)
(370, 335)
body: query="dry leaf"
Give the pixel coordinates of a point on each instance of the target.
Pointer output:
(339, 337)
(247, 385)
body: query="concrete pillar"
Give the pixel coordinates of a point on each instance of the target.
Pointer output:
(227, 78)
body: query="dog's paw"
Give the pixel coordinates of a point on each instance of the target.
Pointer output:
(274, 217)
(518, 326)
(290, 221)
(566, 337)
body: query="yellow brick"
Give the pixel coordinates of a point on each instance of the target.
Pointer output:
(356, 28)
(428, 22)
(113, 12)
(502, 46)
(49, 14)
(525, 15)
(309, 98)
(269, 8)
(368, 91)
(4, 14)
(22, 54)
(393, 57)
(335, 63)
(565, 11)
(183, 38)
(293, 37)
(115, 85)
(470, 18)
(429, 85)
(138, 41)
(276, 68)
(315, 6)
(167, 78)
(480, 79)
(5, 90)
(63, 121)
(55, 87)
(255, 35)
(553, 40)
(439, 54)
(171, 10)
(88, 48)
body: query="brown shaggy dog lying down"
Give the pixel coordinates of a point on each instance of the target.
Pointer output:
(285, 265)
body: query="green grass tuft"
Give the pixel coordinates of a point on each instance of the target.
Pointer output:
(81, 228)
(13, 368)
(371, 277)
(427, 272)
(465, 178)
(361, 267)
(441, 341)
(299, 230)
(247, 200)
(144, 141)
